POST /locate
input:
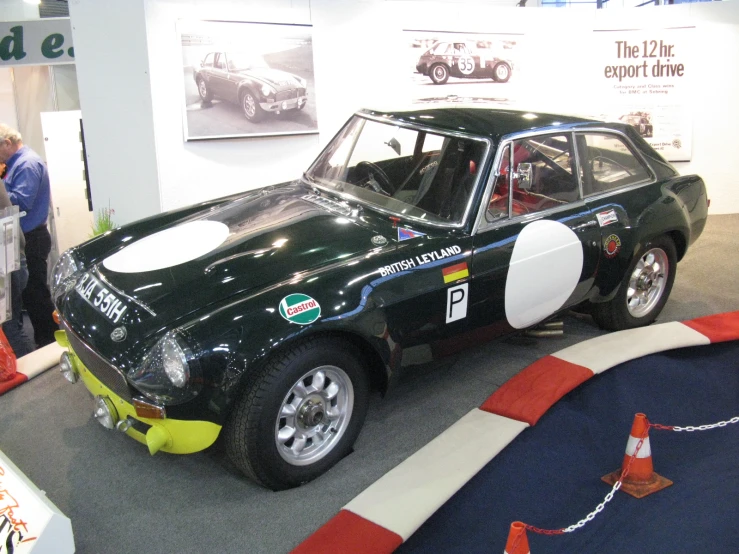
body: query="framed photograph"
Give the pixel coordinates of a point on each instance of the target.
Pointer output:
(245, 79)
(464, 67)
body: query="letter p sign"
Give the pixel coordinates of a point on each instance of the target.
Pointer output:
(456, 303)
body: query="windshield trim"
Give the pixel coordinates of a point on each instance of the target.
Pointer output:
(418, 127)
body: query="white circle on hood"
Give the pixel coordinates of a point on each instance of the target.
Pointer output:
(169, 248)
(545, 268)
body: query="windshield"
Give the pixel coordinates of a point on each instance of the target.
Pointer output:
(409, 172)
(240, 62)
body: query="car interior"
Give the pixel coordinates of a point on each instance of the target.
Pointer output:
(437, 175)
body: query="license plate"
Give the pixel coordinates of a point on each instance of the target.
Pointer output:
(99, 297)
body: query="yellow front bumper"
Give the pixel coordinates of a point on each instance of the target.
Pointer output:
(169, 435)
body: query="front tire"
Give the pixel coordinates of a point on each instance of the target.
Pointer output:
(501, 72)
(250, 106)
(439, 73)
(644, 289)
(300, 415)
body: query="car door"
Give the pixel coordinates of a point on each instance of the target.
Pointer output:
(232, 79)
(206, 70)
(219, 76)
(536, 247)
(614, 179)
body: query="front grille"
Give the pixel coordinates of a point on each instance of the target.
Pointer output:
(286, 95)
(107, 374)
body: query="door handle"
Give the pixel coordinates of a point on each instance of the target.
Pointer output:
(584, 226)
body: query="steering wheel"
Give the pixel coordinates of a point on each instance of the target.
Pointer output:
(375, 177)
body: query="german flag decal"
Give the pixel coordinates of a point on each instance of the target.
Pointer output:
(455, 272)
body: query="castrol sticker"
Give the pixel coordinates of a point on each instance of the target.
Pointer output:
(300, 309)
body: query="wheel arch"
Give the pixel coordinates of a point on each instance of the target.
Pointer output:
(243, 87)
(378, 372)
(680, 241)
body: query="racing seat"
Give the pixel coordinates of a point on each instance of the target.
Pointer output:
(441, 188)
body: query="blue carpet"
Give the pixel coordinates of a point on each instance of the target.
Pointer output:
(549, 476)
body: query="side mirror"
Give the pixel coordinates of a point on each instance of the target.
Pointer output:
(202, 63)
(524, 175)
(394, 144)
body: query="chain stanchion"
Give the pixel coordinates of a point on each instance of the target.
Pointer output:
(624, 472)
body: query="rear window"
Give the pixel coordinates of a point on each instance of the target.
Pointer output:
(607, 163)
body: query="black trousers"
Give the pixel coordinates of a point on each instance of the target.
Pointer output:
(36, 295)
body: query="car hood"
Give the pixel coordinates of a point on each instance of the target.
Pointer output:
(256, 241)
(274, 77)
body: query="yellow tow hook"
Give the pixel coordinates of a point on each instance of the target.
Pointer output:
(156, 438)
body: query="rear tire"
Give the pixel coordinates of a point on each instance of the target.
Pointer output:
(205, 94)
(300, 415)
(644, 289)
(439, 73)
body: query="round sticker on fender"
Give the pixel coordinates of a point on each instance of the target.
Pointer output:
(612, 246)
(545, 268)
(300, 309)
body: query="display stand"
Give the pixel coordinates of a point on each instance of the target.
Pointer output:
(30, 522)
(10, 259)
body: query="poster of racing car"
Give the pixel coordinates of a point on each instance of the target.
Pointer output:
(464, 66)
(247, 79)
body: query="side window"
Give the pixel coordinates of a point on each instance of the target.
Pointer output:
(549, 161)
(208, 61)
(443, 48)
(608, 163)
(220, 62)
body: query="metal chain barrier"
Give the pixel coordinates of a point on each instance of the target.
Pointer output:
(690, 428)
(617, 485)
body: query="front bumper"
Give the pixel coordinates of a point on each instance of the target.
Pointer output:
(284, 105)
(168, 435)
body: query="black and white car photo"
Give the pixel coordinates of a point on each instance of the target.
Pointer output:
(247, 79)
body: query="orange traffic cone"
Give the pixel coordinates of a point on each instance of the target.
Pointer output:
(517, 542)
(641, 479)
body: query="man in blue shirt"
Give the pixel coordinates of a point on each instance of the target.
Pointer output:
(27, 183)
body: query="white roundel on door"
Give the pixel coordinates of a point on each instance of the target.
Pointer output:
(545, 268)
(169, 248)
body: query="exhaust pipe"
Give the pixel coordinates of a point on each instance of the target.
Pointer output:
(548, 329)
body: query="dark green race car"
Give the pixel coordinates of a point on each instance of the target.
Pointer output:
(269, 316)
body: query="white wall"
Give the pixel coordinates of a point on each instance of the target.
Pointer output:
(17, 10)
(8, 113)
(356, 44)
(111, 55)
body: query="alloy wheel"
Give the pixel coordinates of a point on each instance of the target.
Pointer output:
(647, 282)
(314, 415)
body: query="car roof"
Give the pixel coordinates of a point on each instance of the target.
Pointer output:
(481, 119)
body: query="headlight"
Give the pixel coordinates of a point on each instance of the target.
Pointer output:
(63, 276)
(267, 90)
(166, 372)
